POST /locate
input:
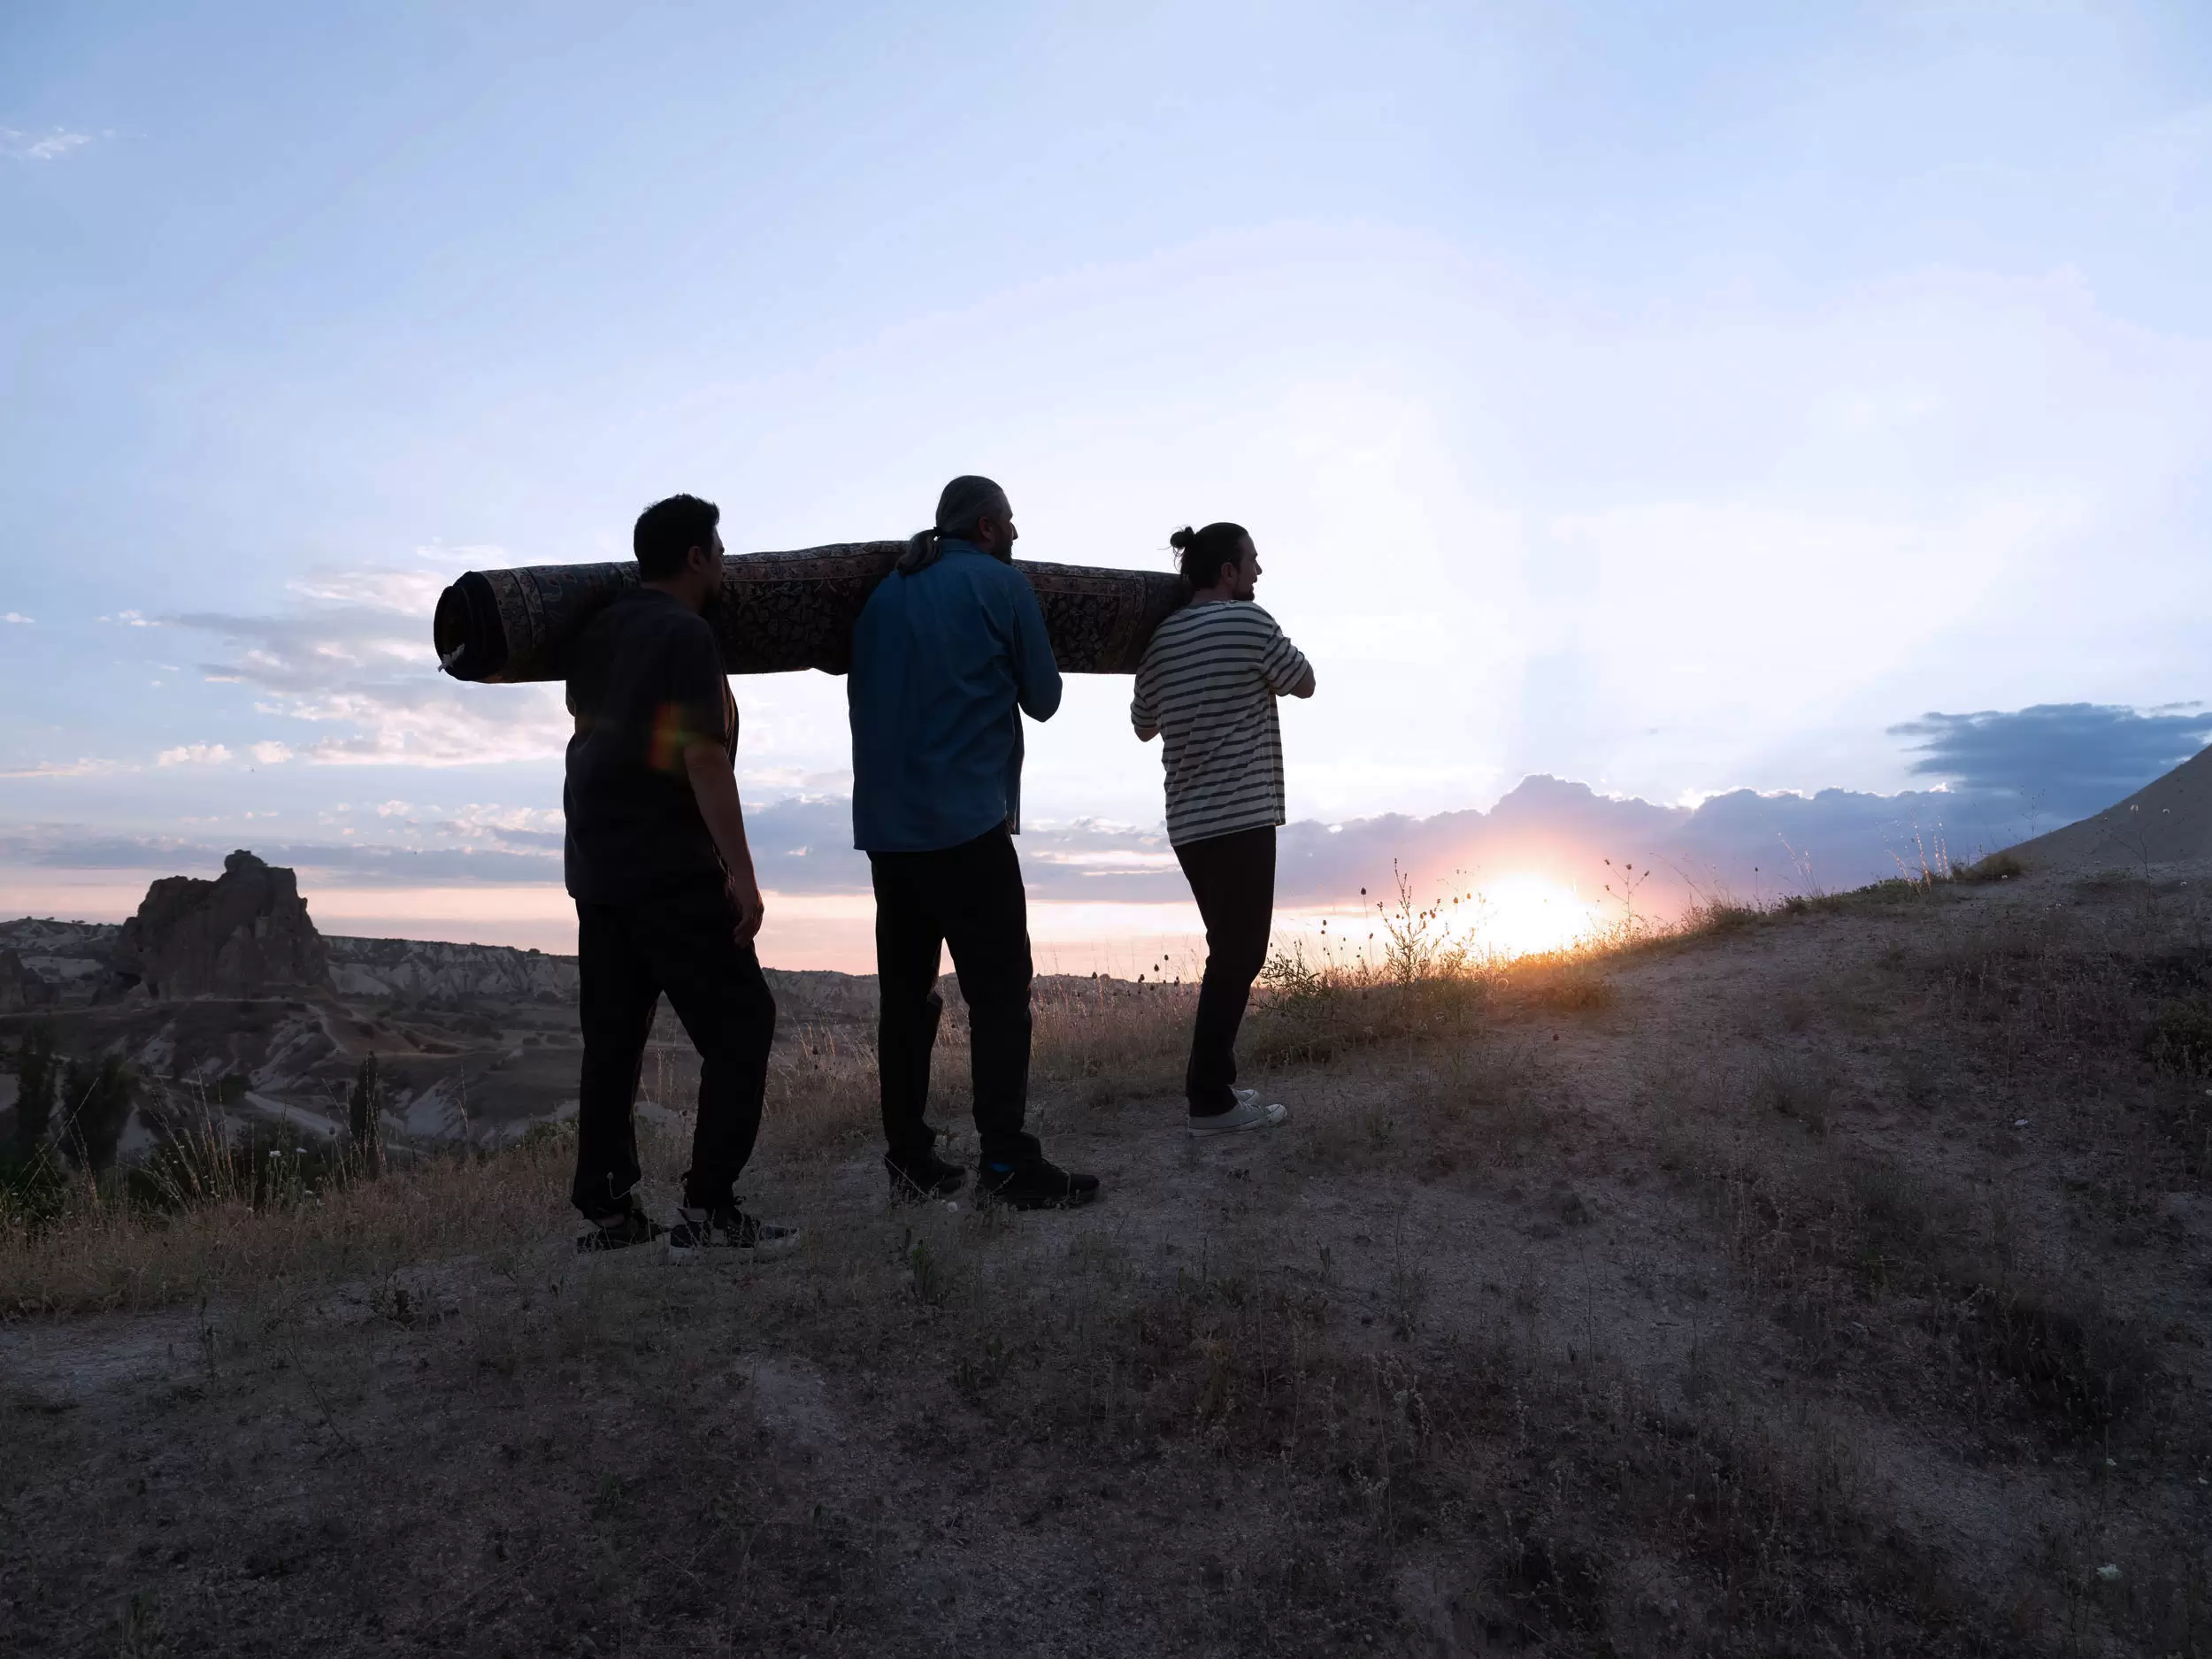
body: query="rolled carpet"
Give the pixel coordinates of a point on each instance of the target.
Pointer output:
(779, 612)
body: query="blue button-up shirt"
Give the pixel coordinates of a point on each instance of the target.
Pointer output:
(943, 661)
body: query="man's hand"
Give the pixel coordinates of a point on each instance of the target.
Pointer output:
(715, 788)
(744, 895)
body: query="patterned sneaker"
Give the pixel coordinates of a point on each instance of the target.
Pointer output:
(620, 1230)
(1248, 1113)
(727, 1234)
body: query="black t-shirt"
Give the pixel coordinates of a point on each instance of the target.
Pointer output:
(645, 681)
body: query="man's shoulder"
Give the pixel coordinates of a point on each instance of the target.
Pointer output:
(1226, 616)
(675, 624)
(994, 575)
(643, 608)
(975, 578)
(640, 628)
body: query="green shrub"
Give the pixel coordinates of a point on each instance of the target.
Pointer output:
(31, 1192)
(2179, 1036)
(2000, 866)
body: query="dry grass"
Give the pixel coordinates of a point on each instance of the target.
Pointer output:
(101, 1251)
(98, 1244)
(1825, 1280)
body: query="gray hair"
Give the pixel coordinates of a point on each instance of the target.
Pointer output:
(960, 509)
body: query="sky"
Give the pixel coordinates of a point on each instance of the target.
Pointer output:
(1660, 403)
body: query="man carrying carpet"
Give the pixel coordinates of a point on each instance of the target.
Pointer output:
(665, 897)
(948, 654)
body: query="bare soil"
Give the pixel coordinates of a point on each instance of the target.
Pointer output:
(1828, 1282)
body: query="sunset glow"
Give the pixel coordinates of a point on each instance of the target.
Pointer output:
(1522, 914)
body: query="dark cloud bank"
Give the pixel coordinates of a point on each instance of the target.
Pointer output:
(2006, 776)
(2069, 759)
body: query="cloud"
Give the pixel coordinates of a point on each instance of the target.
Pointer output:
(84, 766)
(541, 829)
(195, 755)
(1561, 832)
(49, 146)
(80, 847)
(17, 616)
(1741, 843)
(270, 754)
(392, 592)
(355, 655)
(2069, 759)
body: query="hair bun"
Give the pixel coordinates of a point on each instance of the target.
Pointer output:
(1182, 538)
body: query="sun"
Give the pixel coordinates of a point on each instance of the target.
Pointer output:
(1494, 919)
(1524, 914)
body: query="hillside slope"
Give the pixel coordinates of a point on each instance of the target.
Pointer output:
(1834, 1281)
(2167, 822)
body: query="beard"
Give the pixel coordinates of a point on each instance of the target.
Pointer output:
(712, 606)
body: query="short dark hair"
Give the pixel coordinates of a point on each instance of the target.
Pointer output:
(1205, 551)
(668, 530)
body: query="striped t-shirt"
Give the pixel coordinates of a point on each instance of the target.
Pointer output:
(1209, 683)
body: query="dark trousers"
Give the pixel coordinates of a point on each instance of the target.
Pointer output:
(969, 897)
(683, 943)
(1232, 878)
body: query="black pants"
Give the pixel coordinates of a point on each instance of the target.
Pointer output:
(1232, 878)
(683, 943)
(969, 897)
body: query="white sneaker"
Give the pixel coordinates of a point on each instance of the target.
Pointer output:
(1248, 1113)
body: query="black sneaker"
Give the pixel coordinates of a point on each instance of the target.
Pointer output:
(620, 1230)
(1033, 1183)
(928, 1176)
(728, 1234)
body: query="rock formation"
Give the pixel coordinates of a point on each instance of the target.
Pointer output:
(20, 987)
(246, 934)
(426, 970)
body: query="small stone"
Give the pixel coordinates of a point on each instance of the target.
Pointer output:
(2108, 1572)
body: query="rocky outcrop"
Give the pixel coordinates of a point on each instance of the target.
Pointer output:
(428, 971)
(20, 987)
(65, 965)
(246, 934)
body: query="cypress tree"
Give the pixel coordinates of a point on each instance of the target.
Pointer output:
(35, 1090)
(362, 1111)
(96, 1098)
